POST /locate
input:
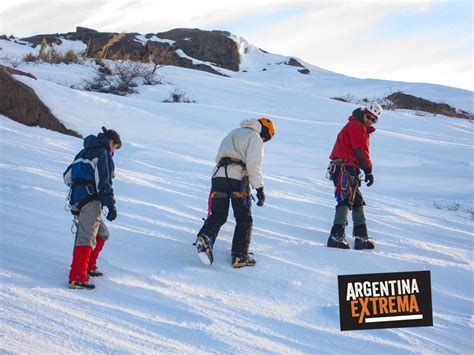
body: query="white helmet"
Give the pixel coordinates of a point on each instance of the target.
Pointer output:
(374, 110)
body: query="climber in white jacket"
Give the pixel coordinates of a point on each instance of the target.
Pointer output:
(239, 166)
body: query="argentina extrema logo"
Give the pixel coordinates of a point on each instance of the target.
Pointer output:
(387, 300)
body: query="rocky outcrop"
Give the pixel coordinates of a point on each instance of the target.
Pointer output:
(13, 71)
(37, 39)
(208, 46)
(400, 100)
(294, 63)
(165, 54)
(304, 71)
(20, 103)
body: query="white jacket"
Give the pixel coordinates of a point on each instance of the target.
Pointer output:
(246, 145)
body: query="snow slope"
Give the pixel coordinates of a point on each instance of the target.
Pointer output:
(156, 295)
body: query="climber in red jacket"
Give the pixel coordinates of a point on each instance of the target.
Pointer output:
(349, 156)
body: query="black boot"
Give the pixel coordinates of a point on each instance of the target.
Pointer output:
(239, 261)
(362, 240)
(337, 238)
(81, 285)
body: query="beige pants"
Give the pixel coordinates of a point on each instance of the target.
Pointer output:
(90, 225)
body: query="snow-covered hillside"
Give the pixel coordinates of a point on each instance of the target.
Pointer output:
(156, 295)
(272, 70)
(257, 65)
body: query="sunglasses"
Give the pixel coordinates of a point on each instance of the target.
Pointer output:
(370, 118)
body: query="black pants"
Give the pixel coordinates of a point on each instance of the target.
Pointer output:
(223, 193)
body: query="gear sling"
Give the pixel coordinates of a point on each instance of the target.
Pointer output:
(346, 181)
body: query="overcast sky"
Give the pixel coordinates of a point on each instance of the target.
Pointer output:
(419, 41)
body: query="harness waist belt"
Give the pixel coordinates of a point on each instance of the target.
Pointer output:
(230, 161)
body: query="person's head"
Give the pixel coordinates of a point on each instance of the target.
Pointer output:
(114, 139)
(371, 114)
(268, 129)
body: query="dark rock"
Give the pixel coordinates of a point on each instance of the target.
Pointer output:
(37, 39)
(128, 47)
(80, 29)
(94, 40)
(294, 63)
(209, 46)
(165, 54)
(13, 71)
(20, 103)
(400, 100)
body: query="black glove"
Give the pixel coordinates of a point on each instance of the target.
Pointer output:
(369, 179)
(112, 214)
(260, 197)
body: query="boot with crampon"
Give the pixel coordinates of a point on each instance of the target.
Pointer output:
(362, 240)
(337, 238)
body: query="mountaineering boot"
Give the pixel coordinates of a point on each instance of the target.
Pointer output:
(95, 273)
(362, 240)
(81, 285)
(364, 243)
(239, 261)
(204, 248)
(337, 238)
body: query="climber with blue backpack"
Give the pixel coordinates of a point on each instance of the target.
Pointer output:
(90, 180)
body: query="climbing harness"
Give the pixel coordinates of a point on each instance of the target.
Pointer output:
(244, 193)
(345, 183)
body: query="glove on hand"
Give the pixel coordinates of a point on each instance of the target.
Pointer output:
(112, 214)
(369, 179)
(260, 197)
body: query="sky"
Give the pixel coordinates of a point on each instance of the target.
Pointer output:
(417, 41)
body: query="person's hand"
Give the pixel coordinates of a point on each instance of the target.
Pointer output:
(260, 197)
(112, 214)
(369, 179)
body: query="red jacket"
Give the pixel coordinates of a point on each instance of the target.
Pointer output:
(353, 135)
